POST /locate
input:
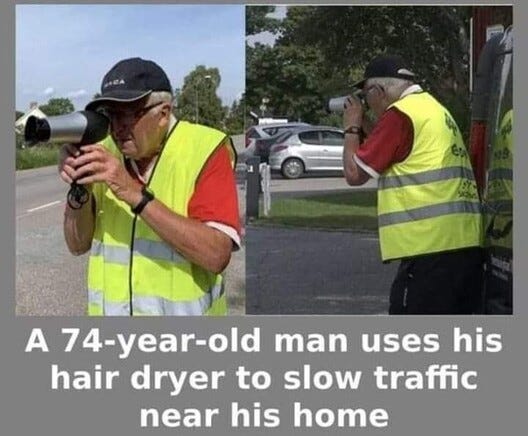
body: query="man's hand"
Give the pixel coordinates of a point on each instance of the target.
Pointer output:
(353, 113)
(67, 155)
(96, 164)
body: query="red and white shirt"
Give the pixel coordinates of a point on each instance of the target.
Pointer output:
(389, 142)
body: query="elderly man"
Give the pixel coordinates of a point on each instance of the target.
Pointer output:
(428, 205)
(162, 217)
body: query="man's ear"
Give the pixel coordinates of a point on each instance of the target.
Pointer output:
(165, 112)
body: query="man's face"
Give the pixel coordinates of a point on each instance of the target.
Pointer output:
(375, 97)
(137, 128)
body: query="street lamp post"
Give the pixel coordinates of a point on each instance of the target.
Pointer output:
(198, 82)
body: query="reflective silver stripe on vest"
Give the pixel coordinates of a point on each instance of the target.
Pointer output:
(498, 206)
(111, 253)
(109, 308)
(95, 297)
(142, 247)
(150, 305)
(157, 250)
(433, 211)
(388, 182)
(501, 174)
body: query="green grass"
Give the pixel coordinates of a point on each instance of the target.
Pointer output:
(354, 210)
(35, 157)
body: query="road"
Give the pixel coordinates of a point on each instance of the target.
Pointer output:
(49, 280)
(299, 271)
(303, 271)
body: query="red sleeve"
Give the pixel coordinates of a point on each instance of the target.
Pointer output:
(215, 195)
(389, 142)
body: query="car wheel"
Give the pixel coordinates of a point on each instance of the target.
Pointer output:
(292, 168)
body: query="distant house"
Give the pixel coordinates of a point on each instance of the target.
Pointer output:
(20, 124)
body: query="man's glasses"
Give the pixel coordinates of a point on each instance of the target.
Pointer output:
(362, 94)
(134, 115)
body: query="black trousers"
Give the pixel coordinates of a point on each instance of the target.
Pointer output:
(440, 283)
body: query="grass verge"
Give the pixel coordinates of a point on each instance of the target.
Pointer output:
(354, 210)
(35, 157)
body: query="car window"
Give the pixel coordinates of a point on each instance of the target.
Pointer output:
(310, 137)
(331, 137)
(271, 130)
(288, 127)
(283, 136)
(252, 133)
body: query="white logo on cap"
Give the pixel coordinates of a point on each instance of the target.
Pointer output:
(113, 83)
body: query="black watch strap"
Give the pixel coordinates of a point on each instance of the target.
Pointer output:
(147, 196)
(356, 130)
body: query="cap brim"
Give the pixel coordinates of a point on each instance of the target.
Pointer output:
(359, 84)
(117, 97)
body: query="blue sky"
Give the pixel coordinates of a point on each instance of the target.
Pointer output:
(64, 50)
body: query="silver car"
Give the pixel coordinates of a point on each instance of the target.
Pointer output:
(268, 130)
(308, 149)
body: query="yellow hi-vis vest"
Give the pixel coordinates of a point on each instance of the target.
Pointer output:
(429, 203)
(131, 271)
(499, 195)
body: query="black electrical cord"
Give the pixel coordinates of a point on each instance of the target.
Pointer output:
(77, 196)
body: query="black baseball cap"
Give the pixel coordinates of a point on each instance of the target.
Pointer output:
(386, 66)
(130, 80)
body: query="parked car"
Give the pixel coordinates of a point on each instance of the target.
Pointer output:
(315, 148)
(268, 130)
(263, 145)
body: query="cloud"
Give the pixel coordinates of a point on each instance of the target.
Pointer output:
(48, 91)
(77, 94)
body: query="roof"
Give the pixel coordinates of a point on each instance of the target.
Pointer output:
(20, 124)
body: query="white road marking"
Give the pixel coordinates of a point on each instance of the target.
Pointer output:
(53, 203)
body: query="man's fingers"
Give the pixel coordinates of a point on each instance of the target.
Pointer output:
(92, 147)
(87, 169)
(66, 177)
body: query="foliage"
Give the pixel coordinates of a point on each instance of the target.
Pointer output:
(35, 157)
(288, 78)
(323, 49)
(197, 101)
(433, 39)
(235, 119)
(257, 20)
(57, 106)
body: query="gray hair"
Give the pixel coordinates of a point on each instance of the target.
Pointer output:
(393, 86)
(159, 97)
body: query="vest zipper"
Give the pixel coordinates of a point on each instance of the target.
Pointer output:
(130, 266)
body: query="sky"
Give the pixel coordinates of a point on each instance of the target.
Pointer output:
(268, 38)
(63, 51)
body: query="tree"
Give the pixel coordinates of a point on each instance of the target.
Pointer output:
(257, 19)
(57, 106)
(288, 78)
(236, 117)
(197, 100)
(434, 39)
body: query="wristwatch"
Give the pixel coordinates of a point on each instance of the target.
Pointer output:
(353, 130)
(147, 195)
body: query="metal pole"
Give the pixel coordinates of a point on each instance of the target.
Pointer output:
(252, 188)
